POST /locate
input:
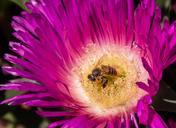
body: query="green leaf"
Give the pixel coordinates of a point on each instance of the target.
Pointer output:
(20, 3)
(11, 93)
(10, 117)
(164, 3)
(44, 124)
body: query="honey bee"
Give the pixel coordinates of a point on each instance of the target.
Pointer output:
(100, 75)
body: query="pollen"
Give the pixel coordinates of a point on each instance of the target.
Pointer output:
(107, 77)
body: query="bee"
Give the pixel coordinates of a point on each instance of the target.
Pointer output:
(102, 75)
(98, 77)
(108, 70)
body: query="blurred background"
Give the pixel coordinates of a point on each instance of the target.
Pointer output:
(25, 117)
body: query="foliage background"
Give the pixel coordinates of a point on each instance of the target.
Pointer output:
(25, 117)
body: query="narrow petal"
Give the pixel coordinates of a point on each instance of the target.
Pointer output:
(54, 114)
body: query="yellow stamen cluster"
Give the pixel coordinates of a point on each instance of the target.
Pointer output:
(121, 89)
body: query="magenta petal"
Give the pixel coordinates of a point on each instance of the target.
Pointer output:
(57, 123)
(143, 110)
(54, 113)
(81, 122)
(26, 97)
(147, 116)
(143, 86)
(22, 87)
(155, 120)
(102, 125)
(45, 104)
(143, 20)
(148, 68)
(143, 113)
(17, 72)
(110, 125)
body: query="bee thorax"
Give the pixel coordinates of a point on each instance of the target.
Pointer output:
(96, 72)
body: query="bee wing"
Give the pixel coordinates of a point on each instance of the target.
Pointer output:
(100, 60)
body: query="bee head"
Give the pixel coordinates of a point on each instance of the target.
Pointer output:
(91, 77)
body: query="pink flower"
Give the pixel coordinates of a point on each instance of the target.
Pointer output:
(91, 63)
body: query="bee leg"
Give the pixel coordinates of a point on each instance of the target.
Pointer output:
(104, 82)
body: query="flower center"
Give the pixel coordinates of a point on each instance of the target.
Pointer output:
(108, 75)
